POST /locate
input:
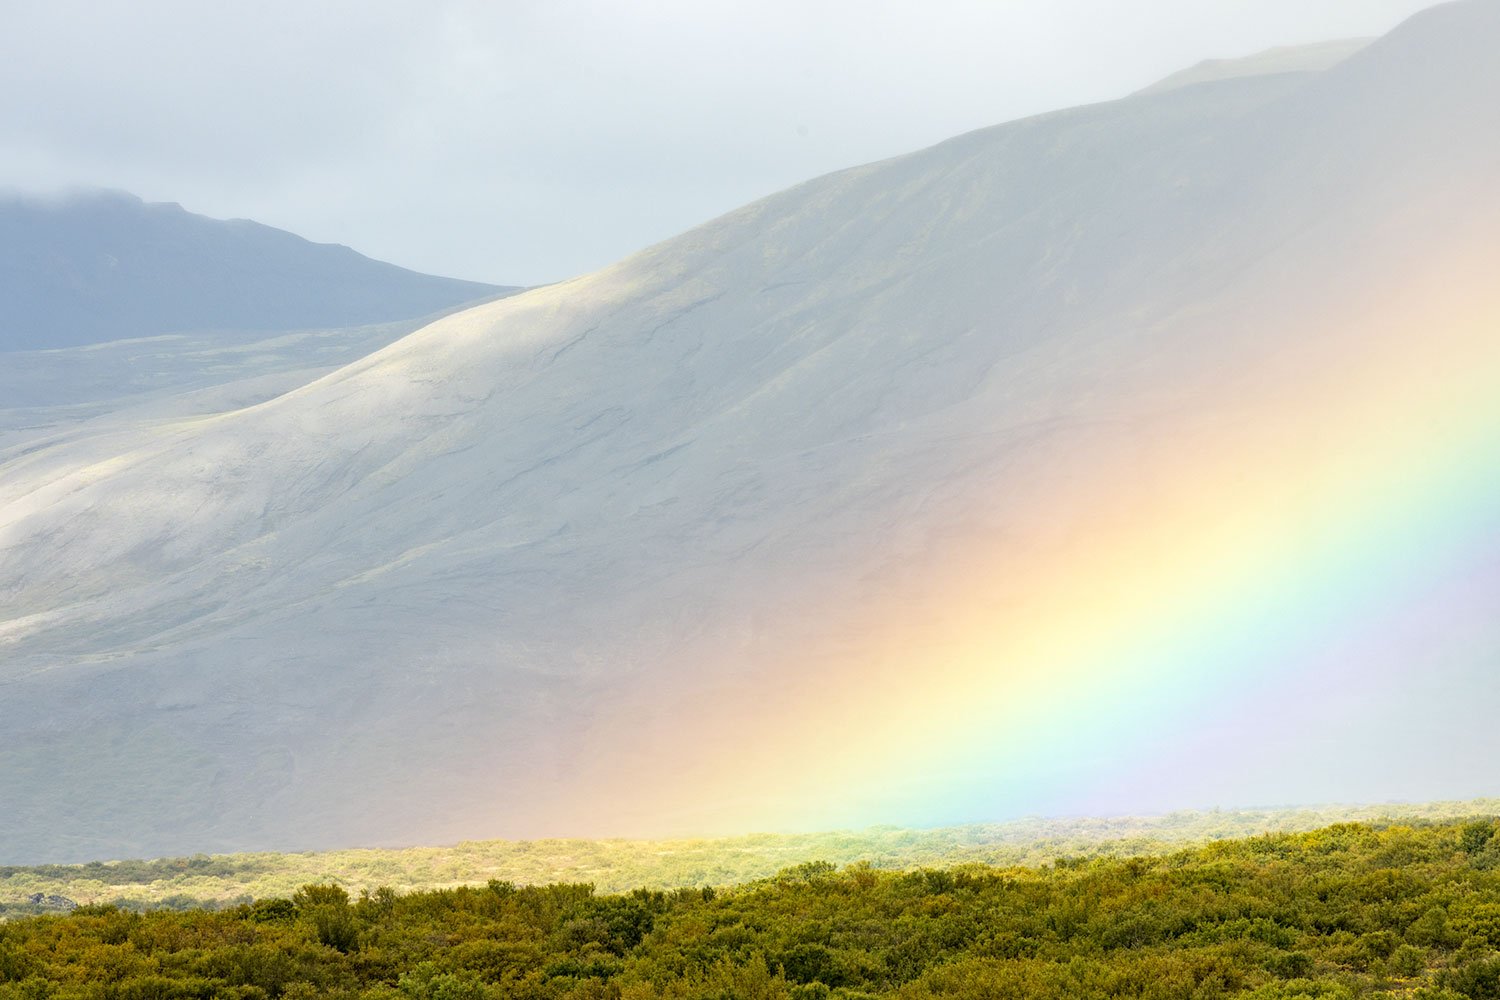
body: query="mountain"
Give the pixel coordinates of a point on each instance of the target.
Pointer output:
(1132, 457)
(1283, 59)
(105, 266)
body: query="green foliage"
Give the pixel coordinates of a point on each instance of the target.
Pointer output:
(1290, 965)
(428, 982)
(1476, 836)
(1349, 912)
(1477, 980)
(326, 907)
(311, 896)
(271, 909)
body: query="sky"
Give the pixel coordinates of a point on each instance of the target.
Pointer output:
(526, 141)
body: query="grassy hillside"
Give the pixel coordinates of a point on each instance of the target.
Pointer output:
(1344, 912)
(620, 865)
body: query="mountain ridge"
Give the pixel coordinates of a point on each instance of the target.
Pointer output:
(1313, 58)
(97, 266)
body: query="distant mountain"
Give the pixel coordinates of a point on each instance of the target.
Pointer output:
(104, 266)
(1137, 456)
(1313, 58)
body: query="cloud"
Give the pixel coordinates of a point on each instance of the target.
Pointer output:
(526, 141)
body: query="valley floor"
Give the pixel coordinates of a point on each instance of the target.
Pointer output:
(622, 865)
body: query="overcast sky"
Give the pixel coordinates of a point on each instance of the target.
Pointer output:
(522, 141)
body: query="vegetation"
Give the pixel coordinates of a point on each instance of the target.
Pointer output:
(206, 881)
(1352, 910)
(620, 865)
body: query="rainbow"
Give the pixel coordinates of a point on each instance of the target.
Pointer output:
(1248, 588)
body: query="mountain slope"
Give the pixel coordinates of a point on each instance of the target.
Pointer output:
(1006, 476)
(47, 397)
(106, 266)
